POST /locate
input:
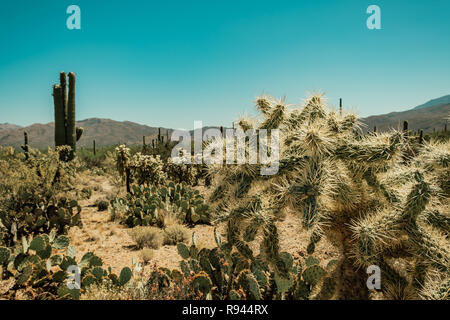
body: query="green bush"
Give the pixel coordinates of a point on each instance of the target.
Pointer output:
(35, 194)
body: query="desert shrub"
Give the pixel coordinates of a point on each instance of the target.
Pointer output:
(40, 264)
(167, 218)
(100, 163)
(108, 290)
(175, 233)
(102, 205)
(117, 209)
(35, 194)
(147, 255)
(147, 237)
(86, 193)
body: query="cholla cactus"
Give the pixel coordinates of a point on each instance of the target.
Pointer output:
(179, 170)
(122, 158)
(343, 187)
(147, 169)
(122, 163)
(410, 239)
(144, 169)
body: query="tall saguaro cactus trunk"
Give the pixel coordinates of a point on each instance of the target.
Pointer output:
(25, 146)
(60, 116)
(71, 134)
(66, 132)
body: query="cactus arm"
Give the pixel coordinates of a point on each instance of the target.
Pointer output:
(79, 132)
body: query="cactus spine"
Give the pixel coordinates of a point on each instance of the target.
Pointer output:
(66, 132)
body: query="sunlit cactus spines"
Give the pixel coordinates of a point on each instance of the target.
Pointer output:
(356, 191)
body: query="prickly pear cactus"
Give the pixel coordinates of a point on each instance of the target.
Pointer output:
(40, 265)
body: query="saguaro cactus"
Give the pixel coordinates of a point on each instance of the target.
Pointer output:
(25, 146)
(405, 127)
(66, 132)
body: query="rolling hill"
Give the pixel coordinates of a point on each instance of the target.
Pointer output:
(435, 102)
(103, 131)
(8, 126)
(428, 117)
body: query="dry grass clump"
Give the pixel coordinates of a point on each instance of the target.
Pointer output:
(147, 255)
(167, 218)
(175, 233)
(147, 237)
(106, 290)
(117, 209)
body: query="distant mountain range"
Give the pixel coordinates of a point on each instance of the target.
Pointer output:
(428, 116)
(103, 131)
(8, 126)
(435, 102)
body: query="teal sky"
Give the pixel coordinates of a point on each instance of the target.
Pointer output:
(169, 63)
